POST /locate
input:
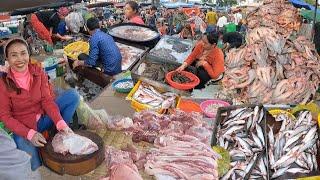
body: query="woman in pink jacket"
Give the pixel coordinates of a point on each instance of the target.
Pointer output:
(27, 105)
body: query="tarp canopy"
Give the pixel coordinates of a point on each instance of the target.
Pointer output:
(309, 14)
(177, 5)
(11, 5)
(300, 4)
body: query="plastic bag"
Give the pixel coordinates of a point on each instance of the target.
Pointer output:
(74, 22)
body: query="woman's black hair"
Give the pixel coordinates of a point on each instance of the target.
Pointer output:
(134, 6)
(93, 23)
(153, 8)
(212, 37)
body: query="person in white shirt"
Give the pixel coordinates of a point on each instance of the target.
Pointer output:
(237, 17)
(222, 21)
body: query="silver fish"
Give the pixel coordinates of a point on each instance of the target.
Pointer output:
(260, 134)
(310, 134)
(249, 122)
(270, 136)
(233, 129)
(300, 162)
(314, 161)
(271, 156)
(244, 144)
(301, 117)
(262, 167)
(297, 170)
(256, 114)
(292, 140)
(279, 172)
(261, 116)
(257, 140)
(310, 162)
(236, 112)
(250, 165)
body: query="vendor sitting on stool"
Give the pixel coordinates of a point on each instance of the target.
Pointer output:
(208, 59)
(103, 50)
(28, 106)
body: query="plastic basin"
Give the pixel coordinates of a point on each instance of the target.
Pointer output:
(186, 86)
(189, 106)
(121, 90)
(204, 105)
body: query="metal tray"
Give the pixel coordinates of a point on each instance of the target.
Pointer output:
(224, 112)
(148, 43)
(180, 57)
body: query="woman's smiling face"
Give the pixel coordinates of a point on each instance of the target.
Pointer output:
(18, 56)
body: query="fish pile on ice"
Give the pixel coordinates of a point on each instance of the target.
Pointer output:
(293, 149)
(278, 15)
(179, 156)
(284, 70)
(241, 133)
(148, 95)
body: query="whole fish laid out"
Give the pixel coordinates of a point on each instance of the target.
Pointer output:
(134, 33)
(242, 135)
(146, 94)
(285, 69)
(294, 148)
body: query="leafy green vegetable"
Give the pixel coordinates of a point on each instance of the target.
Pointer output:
(224, 162)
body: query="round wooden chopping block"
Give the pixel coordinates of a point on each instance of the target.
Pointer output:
(73, 164)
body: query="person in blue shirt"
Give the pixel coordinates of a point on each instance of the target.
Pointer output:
(103, 51)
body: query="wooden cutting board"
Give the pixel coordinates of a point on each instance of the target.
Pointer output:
(73, 164)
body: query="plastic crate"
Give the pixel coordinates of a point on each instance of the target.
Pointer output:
(73, 50)
(137, 106)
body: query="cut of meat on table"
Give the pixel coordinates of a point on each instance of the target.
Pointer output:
(181, 157)
(72, 143)
(120, 165)
(148, 125)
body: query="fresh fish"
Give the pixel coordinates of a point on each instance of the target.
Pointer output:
(244, 144)
(262, 167)
(236, 112)
(228, 174)
(271, 156)
(314, 162)
(250, 165)
(256, 114)
(310, 162)
(302, 116)
(257, 140)
(287, 157)
(292, 140)
(249, 122)
(300, 162)
(270, 136)
(310, 134)
(279, 172)
(260, 134)
(298, 130)
(233, 129)
(297, 170)
(261, 116)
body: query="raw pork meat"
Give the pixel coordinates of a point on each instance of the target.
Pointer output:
(120, 165)
(182, 157)
(72, 143)
(148, 125)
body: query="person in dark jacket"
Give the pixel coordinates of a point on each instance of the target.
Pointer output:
(103, 50)
(231, 40)
(151, 18)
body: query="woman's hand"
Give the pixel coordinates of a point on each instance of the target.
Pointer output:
(38, 140)
(201, 63)
(182, 67)
(67, 130)
(77, 63)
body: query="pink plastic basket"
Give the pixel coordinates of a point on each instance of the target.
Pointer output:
(206, 103)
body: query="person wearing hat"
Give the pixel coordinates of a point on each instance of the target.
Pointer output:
(28, 106)
(50, 24)
(207, 58)
(103, 51)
